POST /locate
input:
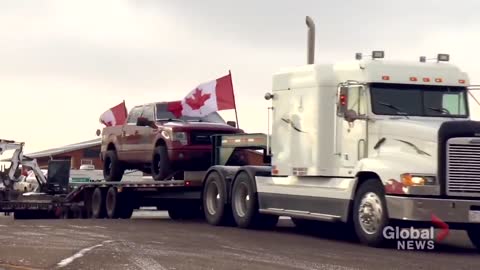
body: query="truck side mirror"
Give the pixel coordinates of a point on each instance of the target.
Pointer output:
(350, 116)
(342, 100)
(232, 123)
(143, 122)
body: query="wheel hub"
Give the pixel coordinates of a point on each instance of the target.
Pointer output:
(213, 198)
(370, 213)
(241, 200)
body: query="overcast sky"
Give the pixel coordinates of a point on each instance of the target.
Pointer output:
(65, 62)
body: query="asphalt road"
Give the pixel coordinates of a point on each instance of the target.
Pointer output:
(152, 241)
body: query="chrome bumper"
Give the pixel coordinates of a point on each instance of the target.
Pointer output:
(421, 209)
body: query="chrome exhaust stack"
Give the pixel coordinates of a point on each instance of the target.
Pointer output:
(311, 40)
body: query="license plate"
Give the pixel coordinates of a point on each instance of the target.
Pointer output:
(474, 216)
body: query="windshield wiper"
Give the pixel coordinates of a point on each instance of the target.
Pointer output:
(171, 120)
(391, 106)
(440, 110)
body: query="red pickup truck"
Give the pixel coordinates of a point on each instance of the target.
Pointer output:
(156, 142)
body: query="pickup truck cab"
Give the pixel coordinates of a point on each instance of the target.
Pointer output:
(156, 142)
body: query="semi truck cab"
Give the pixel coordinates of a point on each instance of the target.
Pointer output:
(373, 141)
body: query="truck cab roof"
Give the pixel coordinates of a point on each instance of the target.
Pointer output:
(369, 71)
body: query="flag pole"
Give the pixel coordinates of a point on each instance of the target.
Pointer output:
(233, 93)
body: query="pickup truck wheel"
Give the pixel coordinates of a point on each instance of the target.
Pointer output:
(98, 204)
(113, 168)
(161, 167)
(245, 205)
(370, 213)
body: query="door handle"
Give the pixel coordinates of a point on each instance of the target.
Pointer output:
(361, 147)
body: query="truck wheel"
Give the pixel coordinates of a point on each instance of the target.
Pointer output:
(127, 211)
(214, 207)
(98, 204)
(161, 166)
(370, 213)
(245, 205)
(113, 168)
(112, 203)
(474, 236)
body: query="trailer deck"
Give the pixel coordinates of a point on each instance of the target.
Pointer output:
(89, 199)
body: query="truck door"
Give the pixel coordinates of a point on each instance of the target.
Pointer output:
(353, 135)
(130, 135)
(147, 135)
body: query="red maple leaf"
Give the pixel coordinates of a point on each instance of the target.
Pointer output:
(197, 100)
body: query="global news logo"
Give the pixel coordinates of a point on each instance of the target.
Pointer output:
(417, 239)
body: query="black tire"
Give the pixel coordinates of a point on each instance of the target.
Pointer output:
(98, 204)
(161, 167)
(473, 233)
(215, 209)
(113, 168)
(126, 211)
(374, 194)
(112, 203)
(244, 204)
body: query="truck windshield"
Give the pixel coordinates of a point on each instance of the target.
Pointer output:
(163, 113)
(419, 100)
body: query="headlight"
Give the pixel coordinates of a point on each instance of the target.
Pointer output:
(180, 137)
(417, 180)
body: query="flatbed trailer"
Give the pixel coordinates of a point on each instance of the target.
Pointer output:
(181, 197)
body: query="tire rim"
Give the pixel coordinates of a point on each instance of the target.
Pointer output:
(370, 213)
(241, 199)
(213, 198)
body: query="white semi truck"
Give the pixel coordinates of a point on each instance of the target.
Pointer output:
(367, 143)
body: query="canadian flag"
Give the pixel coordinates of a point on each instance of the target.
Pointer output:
(206, 98)
(115, 116)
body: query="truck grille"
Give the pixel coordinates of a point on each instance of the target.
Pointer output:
(201, 137)
(463, 167)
